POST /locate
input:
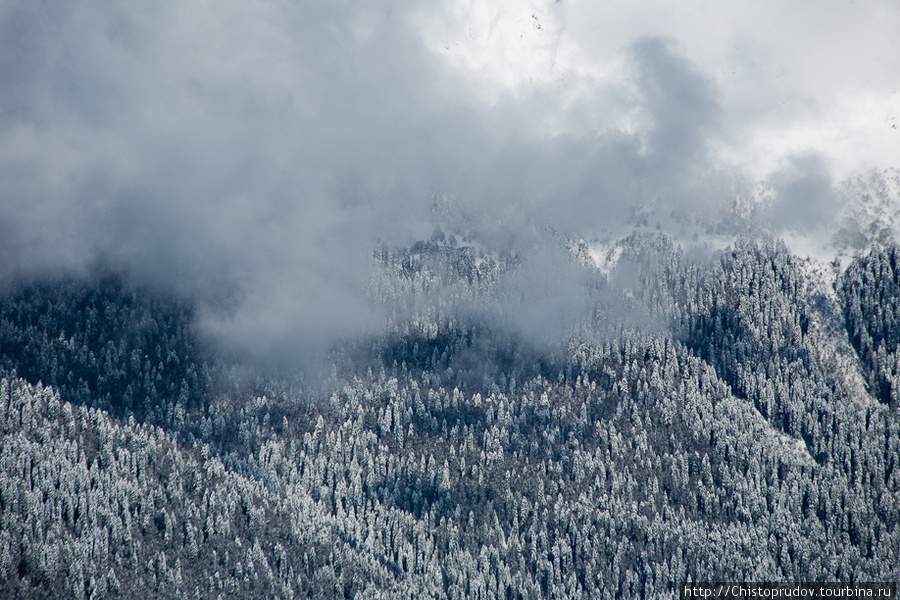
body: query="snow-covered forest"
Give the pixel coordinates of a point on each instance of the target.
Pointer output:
(458, 299)
(729, 415)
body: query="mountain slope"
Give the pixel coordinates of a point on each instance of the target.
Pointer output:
(702, 420)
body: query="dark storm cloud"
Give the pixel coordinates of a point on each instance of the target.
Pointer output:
(250, 154)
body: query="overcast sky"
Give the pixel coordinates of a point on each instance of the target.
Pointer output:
(261, 147)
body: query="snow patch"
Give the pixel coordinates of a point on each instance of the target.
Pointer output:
(792, 448)
(826, 330)
(605, 256)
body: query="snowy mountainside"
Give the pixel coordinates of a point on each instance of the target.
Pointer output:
(532, 422)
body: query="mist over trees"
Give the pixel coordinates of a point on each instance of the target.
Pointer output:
(685, 417)
(502, 300)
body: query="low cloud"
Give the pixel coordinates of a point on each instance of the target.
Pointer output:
(250, 155)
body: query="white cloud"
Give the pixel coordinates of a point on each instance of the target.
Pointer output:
(261, 147)
(789, 71)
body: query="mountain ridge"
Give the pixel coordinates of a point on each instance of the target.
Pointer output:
(712, 421)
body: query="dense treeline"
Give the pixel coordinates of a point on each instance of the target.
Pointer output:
(871, 298)
(705, 419)
(104, 344)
